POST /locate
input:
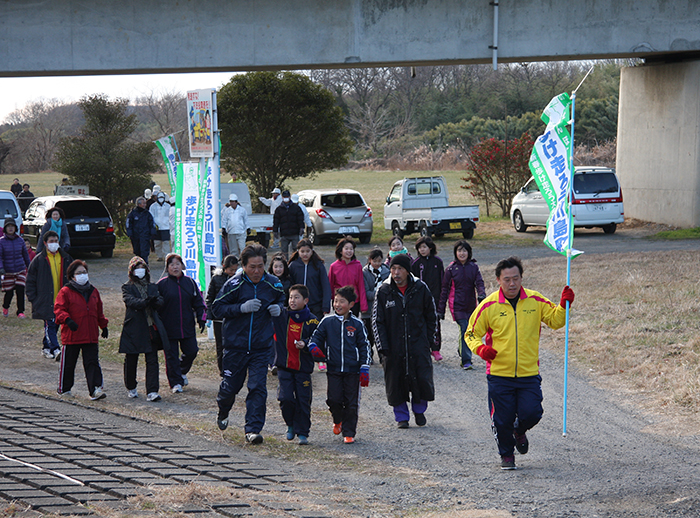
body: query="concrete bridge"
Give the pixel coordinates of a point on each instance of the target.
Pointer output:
(659, 120)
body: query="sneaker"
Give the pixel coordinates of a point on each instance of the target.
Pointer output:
(47, 354)
(437, 356)
(507, 462)
(222, 423)
(272, 369)
(5, 312)
(303, 439)
(290, 433)
(153, 397)
(98, 394)
(402, 424)
(185, 381)
(467, 366)
(252, 438)
(177, 389)
(321, 367)
(521, 443)
(21, 315)
(57, 355)
(420, 419)
(133, 393)
(348, 440)
(337, 427)
(67, 393)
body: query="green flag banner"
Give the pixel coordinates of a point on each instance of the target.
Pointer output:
(552, 169)
(168, 149)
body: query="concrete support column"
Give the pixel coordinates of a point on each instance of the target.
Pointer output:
(658, 142)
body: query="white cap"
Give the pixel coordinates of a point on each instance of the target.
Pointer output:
(156, 189)
(276, 190)
(147, 193)
(295, 198)
(232, 197)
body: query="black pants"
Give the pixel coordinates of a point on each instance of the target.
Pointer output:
(131, 362)
(20, 298)
(343, 400)
(176, 365)
(294, 394)
(219, 346)
(91, 364)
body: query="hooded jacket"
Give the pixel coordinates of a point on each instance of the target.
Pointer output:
(460, 285)
(404, 327)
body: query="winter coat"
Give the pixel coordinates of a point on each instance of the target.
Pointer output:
(341, 274)
(371, 284)
(135, 337)
(63, 240)
(88, 314)
(344, 342)
(461, 284)
(315, 277)
(161, 215)
(430, 270)
(139, 224)
(13, 254)
(235, 221)
(288, 220)
(248, 331)
(215, 284)
(182, 304)
(39, 287)
(288, 357)
(404, 327)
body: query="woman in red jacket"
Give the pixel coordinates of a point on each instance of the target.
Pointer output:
(78, 308)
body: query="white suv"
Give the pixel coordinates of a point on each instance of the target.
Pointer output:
(597, 201)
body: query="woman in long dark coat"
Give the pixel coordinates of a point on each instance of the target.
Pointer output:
(143, 331)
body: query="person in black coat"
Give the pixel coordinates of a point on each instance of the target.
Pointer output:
(288, 222)
(140, 228)
(404, 323)
(143, 331)
(429, 268)
(228, 269)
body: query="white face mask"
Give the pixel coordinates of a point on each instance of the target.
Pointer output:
(140, 272)
(81, 278)
(52, 247)
(285, 200)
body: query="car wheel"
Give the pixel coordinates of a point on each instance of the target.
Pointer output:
(396, 229)
(518, 222)
(468, 234)
(610, 229)
(365, 238)
(423, 229)
(107, 252)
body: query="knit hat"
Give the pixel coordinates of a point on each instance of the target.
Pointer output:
(401, 260)
(10, 221)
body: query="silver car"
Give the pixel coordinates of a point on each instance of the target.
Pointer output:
(336, 213)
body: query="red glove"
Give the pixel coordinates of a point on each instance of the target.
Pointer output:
(364, 376)
(316, 352)
(486, 352)
(566, 294)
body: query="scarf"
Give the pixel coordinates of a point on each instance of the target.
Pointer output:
(300, 316)
(142, 286)
(398, 252)
(85, 290)
(56, 226)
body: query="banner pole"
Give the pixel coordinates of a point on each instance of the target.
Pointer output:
(568, 259)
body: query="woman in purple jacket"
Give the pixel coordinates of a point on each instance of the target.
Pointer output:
(14, 261)
(463, 287)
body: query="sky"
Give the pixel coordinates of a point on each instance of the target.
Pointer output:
(18, 91)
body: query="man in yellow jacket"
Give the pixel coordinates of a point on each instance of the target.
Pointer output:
(505, 331)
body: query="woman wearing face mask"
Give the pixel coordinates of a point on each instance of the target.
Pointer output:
(78, 310)
(143, 331)
(56, 221)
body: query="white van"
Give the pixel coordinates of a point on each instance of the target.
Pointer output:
(597, 201)
(9, 208)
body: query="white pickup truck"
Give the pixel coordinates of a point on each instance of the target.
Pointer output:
(259, 225)
(422, 205)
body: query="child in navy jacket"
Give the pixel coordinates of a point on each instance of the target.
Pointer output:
(293, 330)
(341, 341)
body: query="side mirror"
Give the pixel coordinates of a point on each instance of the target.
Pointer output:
(388, 200)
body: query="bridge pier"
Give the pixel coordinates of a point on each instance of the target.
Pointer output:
(658, 142)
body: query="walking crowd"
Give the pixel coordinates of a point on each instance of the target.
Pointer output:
(290, 317)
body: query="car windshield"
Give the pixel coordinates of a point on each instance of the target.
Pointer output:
(595, 183)
(342, 200)
(83, 208)
(8, 208)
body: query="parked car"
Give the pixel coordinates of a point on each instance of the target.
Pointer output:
(596, 202)
(422, 205)
(89, 223)
(335, 213)
(9, 208)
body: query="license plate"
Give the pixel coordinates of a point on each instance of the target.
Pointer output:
(349, 230)
(455, 226)
(596, 207)
(82, 228)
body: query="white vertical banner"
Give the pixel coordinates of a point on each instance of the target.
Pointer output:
(188, 223)
(211, 252)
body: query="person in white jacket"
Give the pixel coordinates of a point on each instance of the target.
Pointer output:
(307, 219)
(171, 218)
(234, 221)
(273, 203)
(160, 210)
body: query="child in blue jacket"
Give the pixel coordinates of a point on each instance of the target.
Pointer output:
(293, 330)
(341, 341)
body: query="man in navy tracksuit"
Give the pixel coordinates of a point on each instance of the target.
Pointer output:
(248, 302)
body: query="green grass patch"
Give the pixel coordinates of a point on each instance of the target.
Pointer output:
(681, 233)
